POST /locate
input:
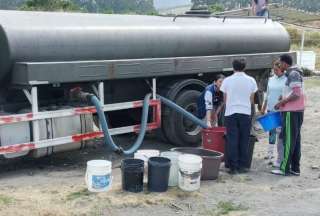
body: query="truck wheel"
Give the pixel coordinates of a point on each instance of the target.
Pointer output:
(181, 131)
(171, 90)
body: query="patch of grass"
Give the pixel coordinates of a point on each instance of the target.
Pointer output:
(224, 208)
(185, 195)
(285, 14)
(211, 212)
(78, 194)
(244, 178)
(292, 15)
(228, 206)
(5, 200)
(54, 192)
(311, 39)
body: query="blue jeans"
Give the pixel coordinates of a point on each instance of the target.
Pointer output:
(263, 13)
(238, 133)
(273, 136)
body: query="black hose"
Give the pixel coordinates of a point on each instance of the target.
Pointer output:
(144, 121)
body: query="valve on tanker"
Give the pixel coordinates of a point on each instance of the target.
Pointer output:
(77, 94)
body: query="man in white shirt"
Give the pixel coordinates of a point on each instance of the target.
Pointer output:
(239, 90)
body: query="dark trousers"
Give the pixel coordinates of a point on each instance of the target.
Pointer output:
(238, 133)
(292, 122)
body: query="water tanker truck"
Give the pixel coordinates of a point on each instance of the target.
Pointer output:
(120, 58)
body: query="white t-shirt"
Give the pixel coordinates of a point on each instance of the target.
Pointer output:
(275, 89)
(208, 100)
(238, 89)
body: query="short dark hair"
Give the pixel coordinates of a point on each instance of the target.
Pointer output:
(286, 59)
(219, 76)
(239, 64)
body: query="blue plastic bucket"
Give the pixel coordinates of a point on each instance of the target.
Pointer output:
(270, 121)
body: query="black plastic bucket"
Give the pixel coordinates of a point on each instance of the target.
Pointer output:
(252, 141)
(158, 174)
(132, 175)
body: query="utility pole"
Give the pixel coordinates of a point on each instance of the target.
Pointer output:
(302, 46)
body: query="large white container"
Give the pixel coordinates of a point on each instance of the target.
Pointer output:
(145, 154)
(189, 172)
(307, 60)
(98, 175)
(174, 169)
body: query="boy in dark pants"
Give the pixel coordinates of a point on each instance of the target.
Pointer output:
(239, 90)
(292, 105)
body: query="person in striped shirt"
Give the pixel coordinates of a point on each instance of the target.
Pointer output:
(292, 105)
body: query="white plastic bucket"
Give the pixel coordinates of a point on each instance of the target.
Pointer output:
(146, 154)
(174, 169)
(98, 175)
(189, 172)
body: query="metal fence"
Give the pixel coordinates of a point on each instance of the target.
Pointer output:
(306, 41)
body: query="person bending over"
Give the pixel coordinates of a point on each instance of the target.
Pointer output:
(210, 102)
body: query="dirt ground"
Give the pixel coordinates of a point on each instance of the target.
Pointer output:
(55, 185)
(315, 23)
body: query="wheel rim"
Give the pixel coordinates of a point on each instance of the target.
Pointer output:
(189, 127)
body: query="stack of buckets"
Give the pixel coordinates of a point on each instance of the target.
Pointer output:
(168, 169)
(164, 170)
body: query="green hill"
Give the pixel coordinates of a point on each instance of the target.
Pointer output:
(92, 6)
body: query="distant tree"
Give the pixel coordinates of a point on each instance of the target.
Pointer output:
(199, 2)
(216, 8)
(87, 5)
(92, 6)
(50, 5)
(117, 6)
(11, 4)
(139, 6)
(133, 6)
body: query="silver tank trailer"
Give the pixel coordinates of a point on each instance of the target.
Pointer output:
(48, 36)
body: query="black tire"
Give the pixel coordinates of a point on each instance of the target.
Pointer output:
(179, 130)
(171, 90)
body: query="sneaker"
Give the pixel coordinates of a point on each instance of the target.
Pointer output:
(295, 173)
(243, 170)
(276, 165)
(278, 172)
(233, 171)
(268, 157)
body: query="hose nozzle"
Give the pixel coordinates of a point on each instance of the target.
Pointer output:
(78, 94)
